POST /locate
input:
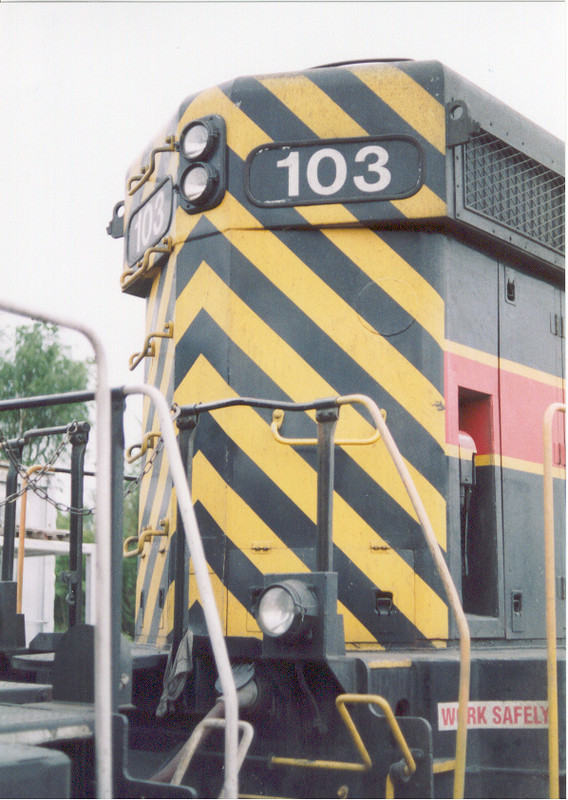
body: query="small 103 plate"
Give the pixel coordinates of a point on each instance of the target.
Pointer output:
(150, 222)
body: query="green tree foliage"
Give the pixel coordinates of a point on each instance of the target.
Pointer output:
(129, 567)
(36, 363)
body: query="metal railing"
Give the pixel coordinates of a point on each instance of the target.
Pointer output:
(549, 571)
(206, 595)
(103, 526)
(445, 577)
(22, 538)
(458, 765)
(103, 628)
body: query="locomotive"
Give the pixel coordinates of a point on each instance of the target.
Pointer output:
(353, 288)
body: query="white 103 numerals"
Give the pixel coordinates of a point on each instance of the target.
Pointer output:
(374, 158)
(150, 222)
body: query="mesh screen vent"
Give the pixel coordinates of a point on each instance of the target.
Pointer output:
(507, 186)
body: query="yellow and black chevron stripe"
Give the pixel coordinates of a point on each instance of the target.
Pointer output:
(296, 303)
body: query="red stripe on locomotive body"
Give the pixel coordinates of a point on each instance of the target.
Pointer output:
(512, 424)
(470, 374)
(523, 403)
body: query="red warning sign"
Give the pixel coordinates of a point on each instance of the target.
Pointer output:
(495, 714)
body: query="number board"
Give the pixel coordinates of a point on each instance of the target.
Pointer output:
(334, 171)
(149, 223)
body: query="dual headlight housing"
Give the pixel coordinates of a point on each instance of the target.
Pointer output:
(202, 167)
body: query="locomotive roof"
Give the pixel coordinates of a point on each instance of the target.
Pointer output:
(465, 160)
(449, 87)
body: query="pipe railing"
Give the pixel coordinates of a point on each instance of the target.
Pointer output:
(22, 534)
(430, 536)
(445, 577)
(103, 628)
(206, 595)
(549, 570)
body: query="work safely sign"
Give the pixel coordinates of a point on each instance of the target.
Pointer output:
(495, 714)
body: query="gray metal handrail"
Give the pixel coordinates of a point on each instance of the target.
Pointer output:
(445, 577)
(206, 595)
(103, 627)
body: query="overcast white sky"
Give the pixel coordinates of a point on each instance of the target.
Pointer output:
(84, 86)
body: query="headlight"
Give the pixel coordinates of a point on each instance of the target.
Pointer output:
(202, 167)
(198, 183)
(198, 139)
(286, 609)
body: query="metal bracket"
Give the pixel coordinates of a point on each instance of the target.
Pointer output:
(145, 172)
(115, 228)
(149, 347)
(146, 534)
(459, 125)
(129, 276)
(136, 451)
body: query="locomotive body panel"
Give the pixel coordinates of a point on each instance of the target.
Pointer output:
(338, 247)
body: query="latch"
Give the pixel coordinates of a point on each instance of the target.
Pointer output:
(384, 603)
(517, 621)
(70, 578)
(261, 547)
(136, 451)
(467, 451)
(557, 325)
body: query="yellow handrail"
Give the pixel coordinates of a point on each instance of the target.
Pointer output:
(375, 699)
(366, 763)
(278, 419)
(548, 488)
(145, 172)
(22, 535)
(146, 534)
(148, 348)
(131, 275)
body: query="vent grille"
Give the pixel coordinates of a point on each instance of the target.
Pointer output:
(508, 187)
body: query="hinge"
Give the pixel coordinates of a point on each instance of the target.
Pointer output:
(261, 547)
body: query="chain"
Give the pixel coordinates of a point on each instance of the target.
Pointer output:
(147, 467)
(32, 483)
(176, 410)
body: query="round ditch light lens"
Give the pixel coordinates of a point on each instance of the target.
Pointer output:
(286, 609)
(276, 611)
(197, 140)
(198, 183)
